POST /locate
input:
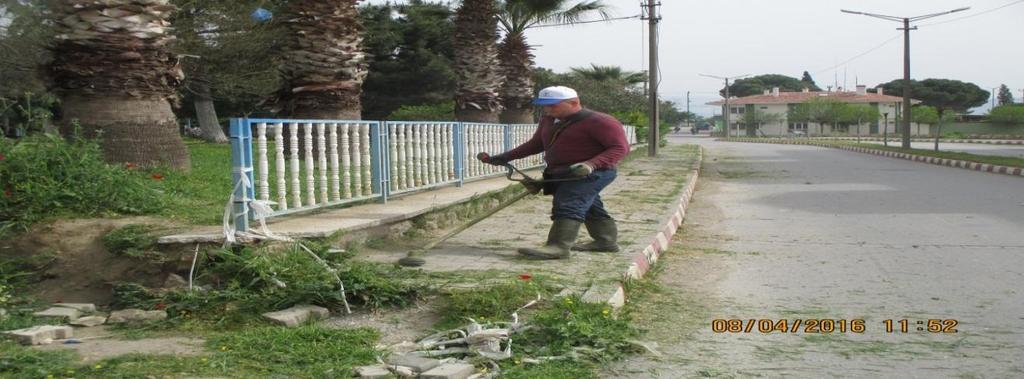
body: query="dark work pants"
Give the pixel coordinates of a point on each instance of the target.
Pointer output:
(580, 200)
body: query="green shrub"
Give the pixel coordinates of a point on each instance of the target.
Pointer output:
(495, 302)
(570, 323)
(429, 112)
(1008, 114)
(46, 176)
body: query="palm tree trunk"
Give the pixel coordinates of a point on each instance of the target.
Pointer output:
(139, 131)
(324, 66)
(517, 90)
(116, 75)
(478, 77)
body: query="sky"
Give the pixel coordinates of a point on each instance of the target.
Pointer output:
(737, 37)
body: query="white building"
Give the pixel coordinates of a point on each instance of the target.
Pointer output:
(779, 104)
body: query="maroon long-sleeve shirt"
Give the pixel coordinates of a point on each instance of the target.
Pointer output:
(598, 139)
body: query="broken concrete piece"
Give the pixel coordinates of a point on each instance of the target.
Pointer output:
(450, 371)
(175, 281)
(81, 307)
(89, 321)
(59, 312)
(417, 363)
(135, 315)
(39, 335)
(403, 347)
(374, 372)
(403, 372)
(297, 315)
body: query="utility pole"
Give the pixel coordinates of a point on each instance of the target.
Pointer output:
(725, 113)
(907, 111)
(651, 7)
(688, 116)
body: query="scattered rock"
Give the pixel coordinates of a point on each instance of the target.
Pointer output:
(89, 321)
(403, 372)
(450, 371)
(59, 312)
(135, 315)
(403, 347)
(297, 315)
(416, 363)
(373, 372)
(81, 307)
(3, 313)
(40, 335)
(175, 281)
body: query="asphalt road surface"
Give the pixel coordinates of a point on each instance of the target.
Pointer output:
(781, 232)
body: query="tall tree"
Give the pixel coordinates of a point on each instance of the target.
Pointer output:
(601, 73)
(809, 82)
(859, 114)
(821, 110)
(753, 119)
(515, 17)
(756, 85)
(944, 95)
(1005, 95)
(228, 58)
(116, 76)
(323, 65)
(477, 68)
(410, 48)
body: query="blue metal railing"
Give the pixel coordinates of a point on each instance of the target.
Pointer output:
(301, 165)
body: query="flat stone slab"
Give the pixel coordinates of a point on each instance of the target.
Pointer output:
(450, 371)
(89, 321)
(297, 315)
(40, 335)
(135, 315)
(81, 307)
(417, 363)
(374, 372)
(59, 312)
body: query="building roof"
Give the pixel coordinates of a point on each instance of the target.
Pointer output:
(800, 97)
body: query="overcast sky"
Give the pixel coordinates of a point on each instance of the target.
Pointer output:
(735, 37)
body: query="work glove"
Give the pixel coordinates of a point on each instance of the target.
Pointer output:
(581, 169)
(497, 160)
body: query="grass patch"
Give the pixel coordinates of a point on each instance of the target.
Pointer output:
(551, 370)
(198, 197)
(491, 303)
(130, 240)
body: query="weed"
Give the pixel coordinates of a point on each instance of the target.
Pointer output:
(130, 240)
(567, 324)
(304, 351)
(495, 302)
(20, 362)
(551, 369)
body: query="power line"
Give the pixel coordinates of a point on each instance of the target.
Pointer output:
(588, 22)
(886, 42)
(976, 14)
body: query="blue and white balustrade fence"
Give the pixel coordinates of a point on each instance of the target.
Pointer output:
(301, 165)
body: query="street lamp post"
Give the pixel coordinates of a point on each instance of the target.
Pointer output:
(725, 113)
(906, 59)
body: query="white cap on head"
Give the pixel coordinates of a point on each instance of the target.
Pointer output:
(555, 95)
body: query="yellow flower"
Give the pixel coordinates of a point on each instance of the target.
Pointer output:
(97, 367)
(49, 376)
(204, 360)
(223, 348)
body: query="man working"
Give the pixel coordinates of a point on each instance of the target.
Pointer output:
(577, 143)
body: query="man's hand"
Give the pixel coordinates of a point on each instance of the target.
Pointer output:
(533, 186)
(497, 160)
(581, 169)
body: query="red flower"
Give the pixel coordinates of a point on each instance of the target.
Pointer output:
(7, 193)
(525, 276)
(157, 176)
(160, 306)
(2, 156)
(130, 166)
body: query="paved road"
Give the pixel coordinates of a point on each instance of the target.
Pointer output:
(1016, 151)
(799, 232)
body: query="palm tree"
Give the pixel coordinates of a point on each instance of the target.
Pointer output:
(515, 17)
(602, 73)
(324, 66)
(116, 77)
(476, 62)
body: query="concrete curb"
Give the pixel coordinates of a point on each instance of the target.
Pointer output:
(897, 139)
(982, 167)
(642, 261)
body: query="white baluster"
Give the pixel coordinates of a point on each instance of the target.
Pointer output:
(357, 164)
(335, 178)
(417, 155)
(282, 185)
(449, 146)
(346, 162)
(393, 158)
(431, 153)
(296, 184)
(401, 165)
(321, 146)
(367, 162)
(263, 180)
(310, 179)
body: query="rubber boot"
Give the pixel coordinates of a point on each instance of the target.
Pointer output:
(561, 236)
(605, 234)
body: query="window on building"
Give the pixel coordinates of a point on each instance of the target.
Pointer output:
(736, 110)
(798, 126)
